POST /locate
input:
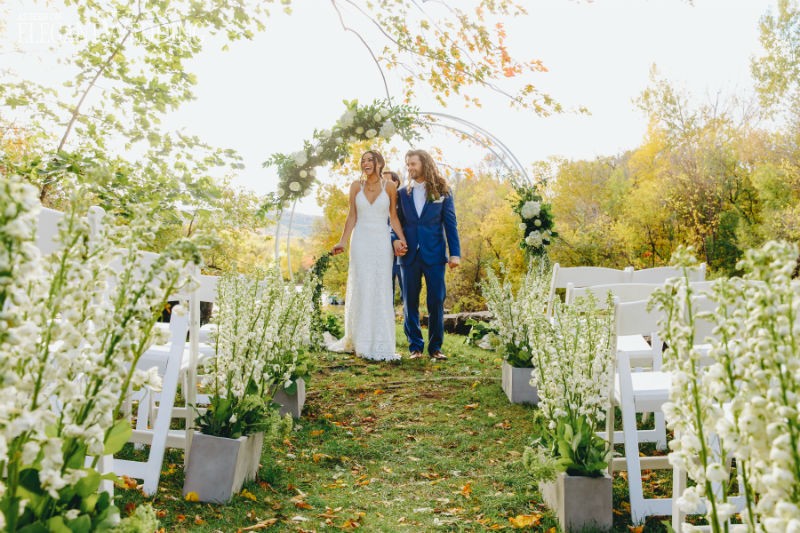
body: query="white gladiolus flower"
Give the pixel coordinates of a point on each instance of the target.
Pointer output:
(294, 186)
(69, 392)
(530, 209)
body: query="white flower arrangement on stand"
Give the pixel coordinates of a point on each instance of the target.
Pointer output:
(71, 329)
(516, 315)
(742, 401)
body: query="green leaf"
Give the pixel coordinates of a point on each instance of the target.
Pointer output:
(88, 484)
(82, 524)
(119, 434)
(291, 390)
(56, 525)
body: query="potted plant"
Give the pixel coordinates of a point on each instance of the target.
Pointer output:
(514, 316)
(574, 363)
(226, 449)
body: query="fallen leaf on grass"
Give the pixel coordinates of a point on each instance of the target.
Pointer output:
(637, 529)
(161, 513)
(387, 470)
(379, 391)
(192, 497)
(317, 432)
(247, 494)
(300, 503)
(130, 508)
(317, 457)
(466, 490)
(471, 406)
(198, 520)
(180, 518)
(525, 520)
(261, 525)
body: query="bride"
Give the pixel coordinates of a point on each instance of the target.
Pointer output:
(369, 327)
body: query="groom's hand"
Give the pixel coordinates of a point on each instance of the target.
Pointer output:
(454, 262)
(399, 248)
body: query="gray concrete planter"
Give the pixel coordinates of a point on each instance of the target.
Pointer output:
(218, 467)
(517, 385)
(291, 403)
(580, 502)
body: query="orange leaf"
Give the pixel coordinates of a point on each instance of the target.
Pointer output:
(317, 432)
(198, 520)
(130, 508)
(379, 391)
(466, 490)
(261, 525)
(525, 520)
(471, 406)
(637, 529)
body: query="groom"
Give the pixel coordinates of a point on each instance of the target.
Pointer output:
(427, 214)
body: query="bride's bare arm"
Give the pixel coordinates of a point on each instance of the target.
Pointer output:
(391, 190)
(350, 223)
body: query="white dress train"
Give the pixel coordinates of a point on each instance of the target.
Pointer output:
(369, 327)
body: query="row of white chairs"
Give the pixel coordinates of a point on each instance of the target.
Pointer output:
(588, 276)
(177, 362)
(639, 385)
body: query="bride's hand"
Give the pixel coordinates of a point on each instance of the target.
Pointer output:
(339, 248)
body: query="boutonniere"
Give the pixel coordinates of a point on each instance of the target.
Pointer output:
(433, 200)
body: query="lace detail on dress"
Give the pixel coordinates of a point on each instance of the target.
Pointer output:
(369, 327)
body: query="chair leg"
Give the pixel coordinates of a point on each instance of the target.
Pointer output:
(143, 414)
(678, 486)
(661, 429)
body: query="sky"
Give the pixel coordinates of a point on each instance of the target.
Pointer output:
(267, 95)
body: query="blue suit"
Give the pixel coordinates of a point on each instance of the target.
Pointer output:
(427, 256)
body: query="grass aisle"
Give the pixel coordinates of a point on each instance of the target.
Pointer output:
(408, 446)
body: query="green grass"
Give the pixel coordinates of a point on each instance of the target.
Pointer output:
(387, 447)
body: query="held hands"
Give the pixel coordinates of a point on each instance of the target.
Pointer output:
(400, 248)
(454, 262)
(339, 248)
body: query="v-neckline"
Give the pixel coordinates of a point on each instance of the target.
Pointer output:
(375, 199)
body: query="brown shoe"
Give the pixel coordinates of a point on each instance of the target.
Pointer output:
(439, 356)
(415, 355)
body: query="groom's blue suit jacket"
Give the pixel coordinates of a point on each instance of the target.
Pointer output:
(425, 234)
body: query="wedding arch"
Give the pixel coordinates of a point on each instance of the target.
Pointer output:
(297, 172)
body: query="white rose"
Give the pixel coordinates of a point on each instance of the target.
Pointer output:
(359, 130)
(300, 158)
(531, 209)
(371, 133)
(522, 226)
(346, 119)
(279, 192)
(537, 222)
(303, 173)
(294, 186)
(387, 130)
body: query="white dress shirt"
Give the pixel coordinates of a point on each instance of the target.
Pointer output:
(418, 194)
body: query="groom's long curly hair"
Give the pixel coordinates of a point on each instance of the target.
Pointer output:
(434, 182)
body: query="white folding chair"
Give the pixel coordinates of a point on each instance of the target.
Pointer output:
(159, 436)
(638, 392)
(661, 274)
(198, 350)
(583, 277)
(640, 352)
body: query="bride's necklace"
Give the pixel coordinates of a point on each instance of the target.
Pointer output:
(371, 187)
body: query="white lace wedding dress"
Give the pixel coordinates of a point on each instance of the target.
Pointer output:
(369, 327)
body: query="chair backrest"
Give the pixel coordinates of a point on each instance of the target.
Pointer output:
(703, 329)
(624, 292)
(47, 227)
(634, 318)
(661, 274)
(584, 277)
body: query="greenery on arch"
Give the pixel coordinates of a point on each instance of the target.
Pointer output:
(378, 120)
